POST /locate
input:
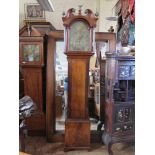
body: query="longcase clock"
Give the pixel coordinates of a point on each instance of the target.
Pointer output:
(32, 53)
(79, 37)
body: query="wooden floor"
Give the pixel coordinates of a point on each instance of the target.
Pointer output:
(39, 146)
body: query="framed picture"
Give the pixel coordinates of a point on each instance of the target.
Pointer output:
(34, 12)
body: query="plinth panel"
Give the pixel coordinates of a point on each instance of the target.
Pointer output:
(77, 134)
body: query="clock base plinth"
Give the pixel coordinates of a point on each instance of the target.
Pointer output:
(77, 134)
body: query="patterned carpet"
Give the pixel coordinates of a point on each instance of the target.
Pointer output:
(39, 146)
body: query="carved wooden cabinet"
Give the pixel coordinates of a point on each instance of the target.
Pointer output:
(120, 99)
(102, 92)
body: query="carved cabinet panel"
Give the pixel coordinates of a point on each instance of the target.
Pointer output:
(33, 85)
(120, 98)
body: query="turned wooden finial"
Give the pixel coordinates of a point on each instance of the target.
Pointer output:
(80, 6)
(29, 29)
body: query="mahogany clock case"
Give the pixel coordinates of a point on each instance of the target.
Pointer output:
(32, 59)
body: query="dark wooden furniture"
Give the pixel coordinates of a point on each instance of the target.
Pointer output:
(21, 84)
(120, 99)
(102, 92)
(33, 42)
(53, 37)
(42, 26)
(79, 39)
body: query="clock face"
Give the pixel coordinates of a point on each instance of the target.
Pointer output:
(31, 52)
(124, 71)
(79, 39)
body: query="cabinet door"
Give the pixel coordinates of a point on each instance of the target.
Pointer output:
(124, 114)
(33, 85)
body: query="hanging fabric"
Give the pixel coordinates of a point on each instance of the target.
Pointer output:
(132, 10)
(131, 36)
(124, 33)
(124, 8)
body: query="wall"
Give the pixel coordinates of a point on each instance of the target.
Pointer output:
(106, 10)
(22, 12)
(104, 7)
